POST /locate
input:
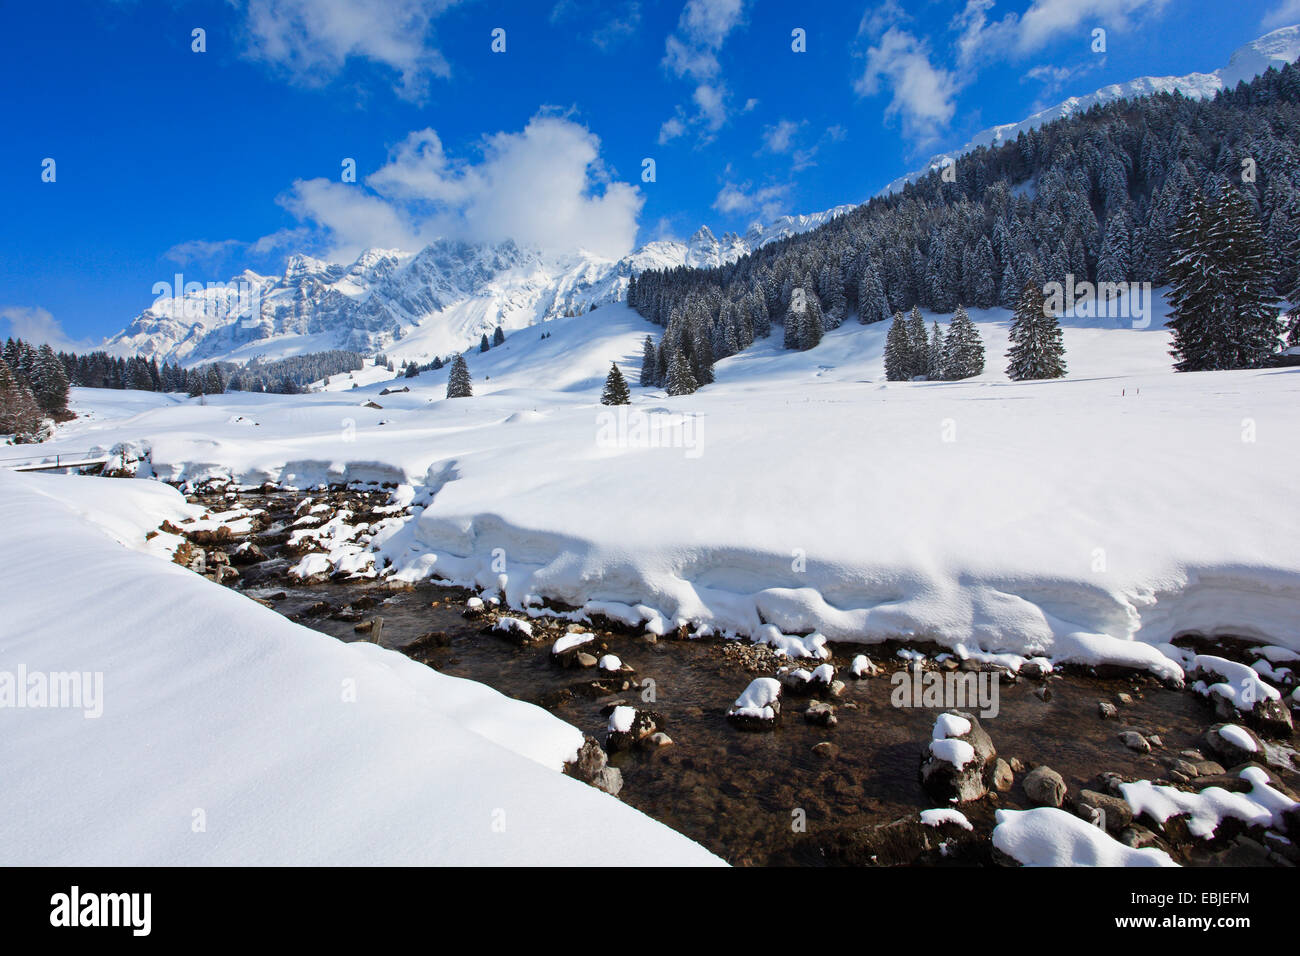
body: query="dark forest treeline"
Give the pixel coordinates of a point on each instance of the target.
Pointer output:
(1099, 197)
(34, 381)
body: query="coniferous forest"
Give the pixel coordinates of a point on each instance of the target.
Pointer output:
(1200, 196)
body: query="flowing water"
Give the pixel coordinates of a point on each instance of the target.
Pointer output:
(768, 797)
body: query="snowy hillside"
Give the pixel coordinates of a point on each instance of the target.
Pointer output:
(1272, 50)
(1064, 517)
(223, 734)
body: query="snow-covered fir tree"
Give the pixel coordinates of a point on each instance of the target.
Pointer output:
(898, 351)
(649, 364)
(1037, 350)
(934, 368)
(963, 348)
(681, 380)
(1224, 310)
(918, 344)
(459, 384)
(616, 391)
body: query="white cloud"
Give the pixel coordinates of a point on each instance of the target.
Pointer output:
(544, 186)
(672, 128)
(780, 137)
(202, 251)
(1286, 13)
(1045, 22)
(311, 40)
(734, 200)
(711, 103)
(1048, 20)
(691, 52)
(979, 39)
(923, 95)
(37, 326)
(1054, 78)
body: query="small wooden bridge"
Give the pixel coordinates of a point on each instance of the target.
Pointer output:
(57, 462)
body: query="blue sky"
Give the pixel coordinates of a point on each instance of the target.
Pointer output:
(169, 160)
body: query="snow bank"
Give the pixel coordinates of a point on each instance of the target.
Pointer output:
(936, 818)
(1262, 806)
(229, 735)
(1047, 836)
(803, 499)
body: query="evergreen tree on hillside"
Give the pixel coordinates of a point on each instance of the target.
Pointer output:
(616, 391)
(499, 336)
(1223, 307)
(649, 364)
(1036, 349)
(459, 384)
(483, 344)
(791, 325)
(812, 322)
(20, 415)
(898, 354)
(681, 381)
(872, 304)
(918, 344)
(49, 382)
(963, 348)
(934, 368)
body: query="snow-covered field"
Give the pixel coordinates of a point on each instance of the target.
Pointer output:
(207, 729)
(1090, 519)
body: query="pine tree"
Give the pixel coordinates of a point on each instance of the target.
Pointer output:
(499, 336)
(812, 322)
(1036, 349)
(1223, 307)
(616, 391)
(649, 363)
(681, 381)
(49, 382)
(791, 325)
(483, 345)
(935, 356)
(898, 355)
(963, 348)
(872, 304)
(20, 416)
(918, 345)
(459, 384)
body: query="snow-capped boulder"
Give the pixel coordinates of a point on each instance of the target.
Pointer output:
(627, 727)
(514, 629)
(958, 765)
(576, 649)
(862, 666)
(1238, 692)
(1234, 744)
(759, 707)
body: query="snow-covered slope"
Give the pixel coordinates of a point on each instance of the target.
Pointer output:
(1064, 517)
(226, 735)
(1274, 49)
